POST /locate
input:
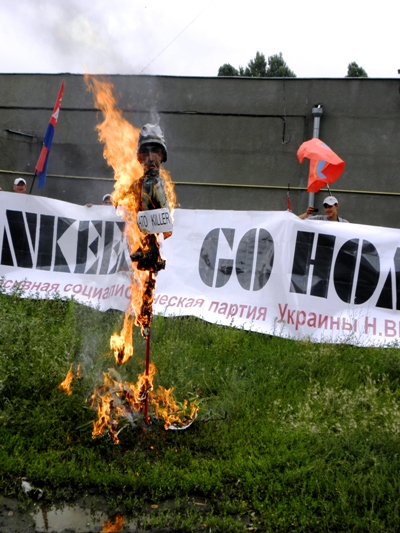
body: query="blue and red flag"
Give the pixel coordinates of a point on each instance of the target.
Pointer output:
(325, 166)
(43, 161)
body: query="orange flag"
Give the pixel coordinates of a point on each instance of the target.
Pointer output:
(325, 166)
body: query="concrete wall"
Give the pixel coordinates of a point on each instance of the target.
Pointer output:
(232, 142)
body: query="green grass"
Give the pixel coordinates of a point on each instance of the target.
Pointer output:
(290, 436)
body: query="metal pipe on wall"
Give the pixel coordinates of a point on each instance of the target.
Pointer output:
(213, 184)
(316, 112)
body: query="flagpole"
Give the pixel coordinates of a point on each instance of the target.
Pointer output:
(317, 112)
(43, 161)
(33, 181)
(288, 198)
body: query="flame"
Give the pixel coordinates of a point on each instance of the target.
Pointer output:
(121, 343)
(109, 526)
(66, 384)
(116, 399)
(120, 139)
(167, 408)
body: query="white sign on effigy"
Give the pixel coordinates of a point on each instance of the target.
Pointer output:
(155, 221)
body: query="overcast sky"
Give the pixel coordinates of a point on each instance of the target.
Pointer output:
(195, 37)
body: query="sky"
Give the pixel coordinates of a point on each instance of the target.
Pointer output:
(195, 37)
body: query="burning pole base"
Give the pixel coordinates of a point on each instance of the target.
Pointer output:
(121, 404)
(117, 401)
(148, 259)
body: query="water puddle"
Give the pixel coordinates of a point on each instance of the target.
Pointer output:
(77, 520)
(88, 515)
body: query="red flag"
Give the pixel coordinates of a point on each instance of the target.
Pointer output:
(43, 161)
(325, 166)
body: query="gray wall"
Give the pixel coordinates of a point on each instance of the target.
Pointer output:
(232, 142)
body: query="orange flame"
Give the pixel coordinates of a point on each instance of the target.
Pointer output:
(115, 399)
(66, 384)
(109, 526)
(121, 343)
(120, 139)
(167, 408)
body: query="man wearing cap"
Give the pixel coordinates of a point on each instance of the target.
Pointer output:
(150, 191)
(106, 200)
(331, 207)
(19, 185)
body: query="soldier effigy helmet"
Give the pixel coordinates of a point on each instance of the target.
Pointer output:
(152, 134)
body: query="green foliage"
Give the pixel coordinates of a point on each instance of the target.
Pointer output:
(277, 68)
(257, 67)
(227, 70)
(354, 71)
(290, 436)
(260, 68)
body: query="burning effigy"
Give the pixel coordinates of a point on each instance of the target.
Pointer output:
(144, 197)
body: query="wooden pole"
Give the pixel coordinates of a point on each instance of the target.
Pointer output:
(146, 400)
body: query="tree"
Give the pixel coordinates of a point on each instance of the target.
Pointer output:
(260, 68)
(227, 70)
(354, 71)
(277, 68)
(257, 67)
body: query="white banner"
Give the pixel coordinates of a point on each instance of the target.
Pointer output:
(263, 271)
(49, 246)
(275, 273)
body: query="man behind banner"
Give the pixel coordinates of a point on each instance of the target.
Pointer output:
(106, 200)
(19, 186)
(331, 207)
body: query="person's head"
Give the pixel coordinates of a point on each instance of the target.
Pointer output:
(106, 200)
(331, 207)
(152, 150)
(19, 185)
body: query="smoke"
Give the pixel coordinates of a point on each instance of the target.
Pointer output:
(85, 36)
(188, 38)
(108, 37)
(102, 37)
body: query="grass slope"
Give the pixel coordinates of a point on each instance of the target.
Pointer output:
(291, 436)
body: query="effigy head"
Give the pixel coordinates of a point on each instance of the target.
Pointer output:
(151, 134)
